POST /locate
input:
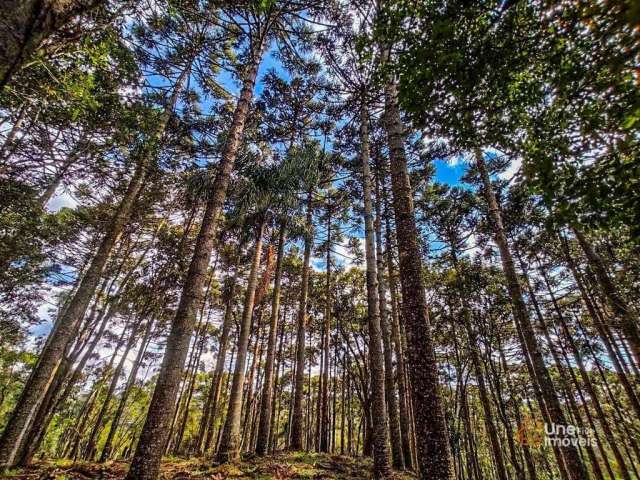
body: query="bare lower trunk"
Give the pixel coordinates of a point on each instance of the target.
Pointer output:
(108, 445)
(216, 382)
(146, 461)
(265, 411)
(403, 406)
(432, 439)
(381, 467)
(387, 341)
(297, 418)
(572, 461)
(229, 449)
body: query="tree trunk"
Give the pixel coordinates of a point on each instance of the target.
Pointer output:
(387, 340)
(146, 461)
(54, 183)
(264, 427)
(432, 439)
(489, 421)
(405, 417)
(211, 406)
(326, 339)
(381, 467)
(229, 449)
(574, 466)
(27, 23)
(297, 418)
(625, 314)
(98, 422)
(108, 445)
(67, 323)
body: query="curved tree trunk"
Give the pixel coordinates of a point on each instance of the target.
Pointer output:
(432, 439)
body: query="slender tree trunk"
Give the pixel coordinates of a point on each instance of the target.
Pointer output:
(146, 461)
(208, 420)
(586, 380)
(113, 428)
(67, 323)
(326, 338)
(264, 427)
(625, 314)
(573, 463)
(597, 321)
(297, 418)
(229, 449)
(381, 467)
(432, 439)
(27, 23)
(476, 363)
(387, 340)
(98, 422)
(405, 417)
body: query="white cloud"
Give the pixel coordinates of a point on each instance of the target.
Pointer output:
(512, 170)
(59, 201)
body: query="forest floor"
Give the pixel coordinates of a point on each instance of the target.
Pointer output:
(283, 466)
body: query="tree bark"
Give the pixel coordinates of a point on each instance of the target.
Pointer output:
(264, 427)
(432, 439)
(26, 23)
(297, 418)
(572, 461)
(229, 449)
(146, 461)
(381, 467)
